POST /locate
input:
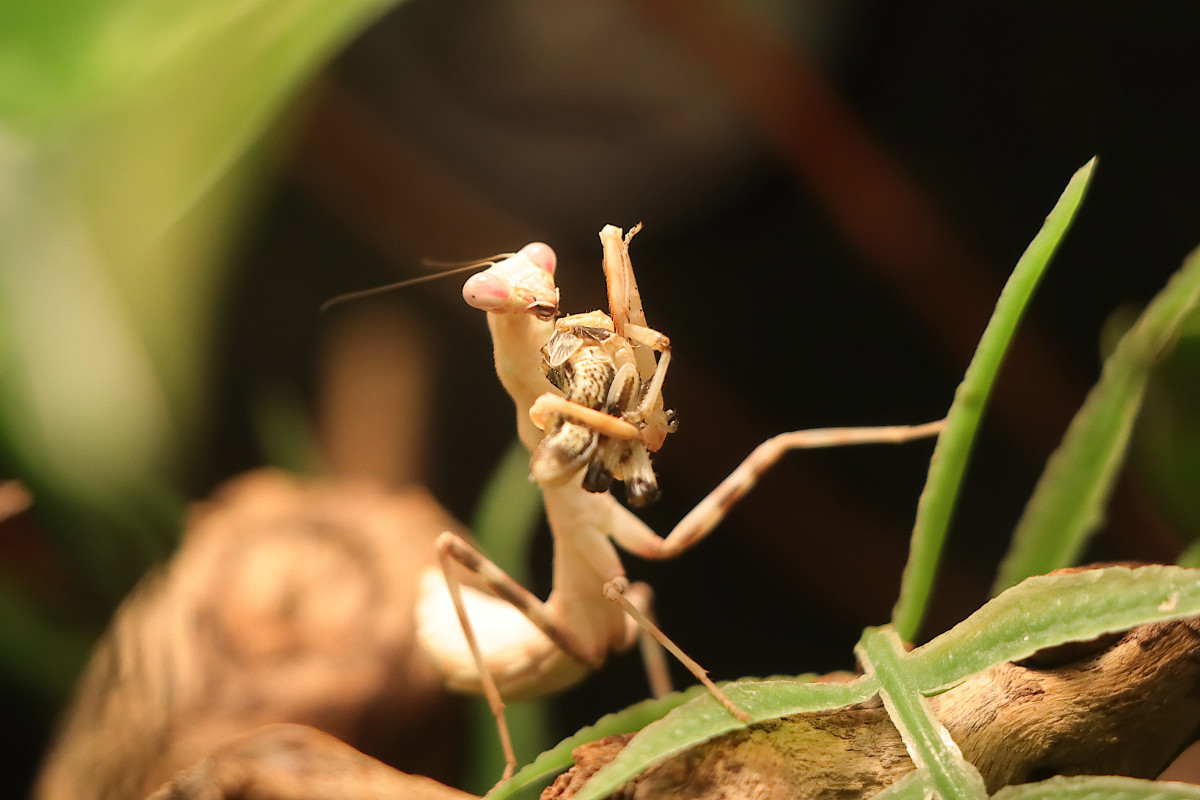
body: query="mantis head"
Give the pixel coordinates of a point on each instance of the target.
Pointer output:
(520, 284)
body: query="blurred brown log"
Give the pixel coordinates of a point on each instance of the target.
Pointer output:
(294, 762)
(287, 602)
(1125, 710)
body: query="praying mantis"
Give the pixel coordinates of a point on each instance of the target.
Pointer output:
(486, 632)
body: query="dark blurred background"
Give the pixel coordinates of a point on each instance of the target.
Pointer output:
(833, 195)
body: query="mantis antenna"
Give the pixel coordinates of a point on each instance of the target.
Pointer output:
(455, 269)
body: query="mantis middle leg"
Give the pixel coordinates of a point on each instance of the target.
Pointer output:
(700, 521)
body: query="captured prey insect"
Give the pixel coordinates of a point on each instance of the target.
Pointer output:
(611, 411)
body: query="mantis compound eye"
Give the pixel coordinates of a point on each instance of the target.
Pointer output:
(541, 254)
(487, 292)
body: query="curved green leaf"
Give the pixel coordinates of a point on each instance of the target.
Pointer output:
(1067, 505)
(558, 757)
(703, 718)
(1047, 610)
(1041, 612)
(949, 463)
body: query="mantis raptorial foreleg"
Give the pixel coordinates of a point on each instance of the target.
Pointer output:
(653, 395)
(549, 406)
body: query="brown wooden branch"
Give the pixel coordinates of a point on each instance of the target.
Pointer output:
(1126, 708)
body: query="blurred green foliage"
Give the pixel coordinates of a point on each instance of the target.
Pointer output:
(131, 144)
(1166, 442)
(1069, 502)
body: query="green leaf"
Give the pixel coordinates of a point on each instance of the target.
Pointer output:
(285, 431)
(929, 744)
(1165, 451)
(1102, 787)
(913, 786)
(703, 718)
(558, 758)
(1068, 503)
(1047, 610)
(948, 466)
(1041, 612)
(508, 512)
(1190, 557)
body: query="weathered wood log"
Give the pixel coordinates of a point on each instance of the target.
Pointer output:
(1126, 707)
(288, 601)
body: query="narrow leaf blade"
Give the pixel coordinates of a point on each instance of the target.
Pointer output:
(949, 462)
(1068, 503)
(933, 751)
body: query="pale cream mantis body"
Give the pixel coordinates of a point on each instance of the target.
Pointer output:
(510, 643)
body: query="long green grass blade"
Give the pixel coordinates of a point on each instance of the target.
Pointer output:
(1166, 442)
(1190, 557)
(948, 466)
(929, 744)
(1047, 610)
(1068, 503)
